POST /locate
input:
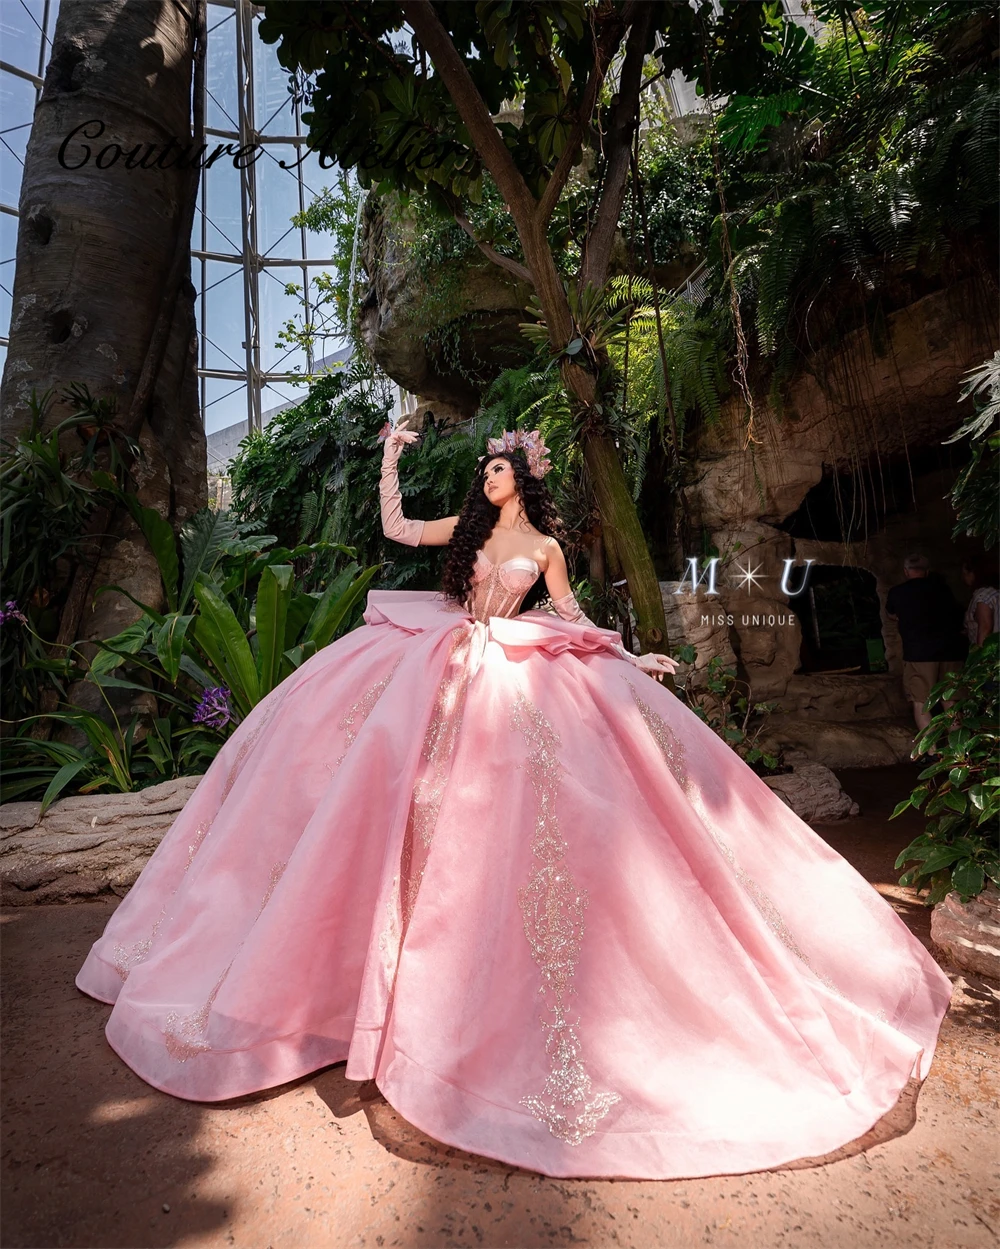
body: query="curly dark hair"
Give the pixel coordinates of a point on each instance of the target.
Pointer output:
(478, 517)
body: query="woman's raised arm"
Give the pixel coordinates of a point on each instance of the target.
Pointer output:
(394, 524)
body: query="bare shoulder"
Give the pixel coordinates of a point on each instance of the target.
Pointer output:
(550, 553)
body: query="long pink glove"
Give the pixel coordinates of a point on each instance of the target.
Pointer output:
(569, 609)
(394, 524)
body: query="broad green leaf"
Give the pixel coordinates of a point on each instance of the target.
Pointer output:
(204, 537)
(117, 683)
(300, 610)
(162, 543)
(333, 607)
(169, 642)
(114, 650)
(297, 655)
(151, 612)
(941, 856)
(233, 655)
(276, 584)
(968, 878)
(61, 779)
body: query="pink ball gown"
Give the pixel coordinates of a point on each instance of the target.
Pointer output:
(532, 895)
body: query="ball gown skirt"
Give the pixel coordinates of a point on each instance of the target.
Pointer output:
(524, 888)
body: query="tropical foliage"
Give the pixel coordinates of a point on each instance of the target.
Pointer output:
(313, 474)
(50, 492)
(959, 791)
(237, 622)
(240, 613)
(974, 494)
(719, 697)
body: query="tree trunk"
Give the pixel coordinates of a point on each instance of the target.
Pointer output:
(614, 500)
(620, 518)
(95, 250)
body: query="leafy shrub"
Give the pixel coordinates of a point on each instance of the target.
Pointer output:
(959, 792)
(49, 495)
(720, 698)
(238, 622)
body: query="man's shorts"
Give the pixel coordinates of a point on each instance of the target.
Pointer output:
(919, 677)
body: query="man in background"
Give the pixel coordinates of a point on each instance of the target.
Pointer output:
(929, 620)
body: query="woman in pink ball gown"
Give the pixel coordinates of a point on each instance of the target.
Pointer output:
(488, 861)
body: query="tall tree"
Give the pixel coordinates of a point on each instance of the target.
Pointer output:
(411, 95)
(102, 289)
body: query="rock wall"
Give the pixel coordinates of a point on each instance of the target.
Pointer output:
(444, 350)
(850, 409)
(86, 846)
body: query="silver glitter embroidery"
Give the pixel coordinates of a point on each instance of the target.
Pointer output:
(245, 747)
(127, 957)
(673, 753)
(552, 908)
(200, 833)
(359, 712)
(436, 751)
(184, 1036)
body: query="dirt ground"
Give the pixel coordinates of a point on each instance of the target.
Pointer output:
(93, 1157)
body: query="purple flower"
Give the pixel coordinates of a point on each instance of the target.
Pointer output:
(11, 611)
(213, 710)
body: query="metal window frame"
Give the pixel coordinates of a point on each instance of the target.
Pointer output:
(251, 261)
(37, 80)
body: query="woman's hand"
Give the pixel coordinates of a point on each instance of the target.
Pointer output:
(396, 440)
(655, 665)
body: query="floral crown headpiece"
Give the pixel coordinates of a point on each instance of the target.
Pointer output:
(528, 441)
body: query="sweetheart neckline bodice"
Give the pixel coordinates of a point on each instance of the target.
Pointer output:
(505, 562)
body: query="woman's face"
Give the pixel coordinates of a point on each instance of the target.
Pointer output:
(498, 482)
(968, 576)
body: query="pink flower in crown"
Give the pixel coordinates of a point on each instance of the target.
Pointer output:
(528, 441)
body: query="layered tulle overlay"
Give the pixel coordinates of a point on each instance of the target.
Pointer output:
(533, 896)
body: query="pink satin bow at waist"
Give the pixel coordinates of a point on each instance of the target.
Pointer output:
(419, 611)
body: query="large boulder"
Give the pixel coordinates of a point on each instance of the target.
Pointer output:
(813, 793)
(968, 933)
(84, 846)
(442, 333)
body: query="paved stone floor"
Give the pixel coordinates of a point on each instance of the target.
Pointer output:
(94, 1158)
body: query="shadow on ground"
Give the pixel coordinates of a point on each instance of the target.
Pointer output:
(94, 1158)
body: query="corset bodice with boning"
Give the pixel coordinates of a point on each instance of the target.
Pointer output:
(499, 589)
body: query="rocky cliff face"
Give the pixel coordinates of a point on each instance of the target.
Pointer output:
(445, 351)
(855, 418)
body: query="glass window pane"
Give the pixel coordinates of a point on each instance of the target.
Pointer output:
(319, 243)
(8, 245)
(6, 287)
(221, 111)
(278, 396)
(224, 328)
(316, 175)
(21, 33)
(224, 215)
(277, 307)
(17, 106)
(277, 202)
(225, 404)
(272, 101)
